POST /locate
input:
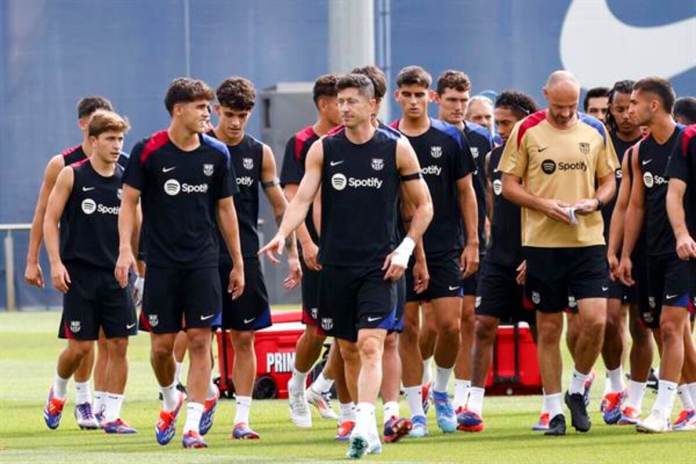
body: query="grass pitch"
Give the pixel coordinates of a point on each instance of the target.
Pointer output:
(28, 351)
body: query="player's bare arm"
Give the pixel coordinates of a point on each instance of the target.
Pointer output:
(127, 219)
(54, 210)
(616, 227)
(421, 275)
(226, 216)
(32, 273)
(466, 196)
(686, 247)
(632, 224)
(279, 204)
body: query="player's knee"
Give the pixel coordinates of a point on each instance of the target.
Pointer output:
(314, 336)
(549, 331)
(80, 348)
(117, 347)
(243, 341)
(485, 329)
(391, 343)
(449, 327)
(160, 352)
(671, 330)
(349, 352)
(370, 348)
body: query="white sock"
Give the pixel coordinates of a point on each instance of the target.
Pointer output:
(475, 402)
(415, 403)
(60, 387)
(243, 407)
(298, 380)
(427, 371)
(666, 394)
(577, 383)
(685, 397)
(321, 384)
(553, 402)
(98, 405)
(461, 393)
(177, 371)
(364, 417)
(391, 409)
(112, 403)
(194, 411)
(636, 392)
(170, 397)
(442, 376)
(83, 394)
(544, 403)
(346, 412)
(213, 391)
(692, 391)
(615, 380)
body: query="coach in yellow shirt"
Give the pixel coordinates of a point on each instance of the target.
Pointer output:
(559, 167)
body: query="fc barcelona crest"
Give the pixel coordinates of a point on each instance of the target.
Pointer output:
(75, 326)
(153, 319)
(474, 152)
(377, 164)
(208, 169)
(248, 163)
(584, 148)
(436, 152)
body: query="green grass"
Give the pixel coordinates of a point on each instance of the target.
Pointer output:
(28, 349)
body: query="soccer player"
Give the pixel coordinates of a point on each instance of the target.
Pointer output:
(254, 166)
(85, 202)
(311, 341)
(33, 275)
(359, 168)
(685, 110)
(447, 166)
(596, 103)
(667, 278)
(480, 111)
(622, 299)
(559, 167)
(680, 171)
(499, 290)
(186, 181)
(453, 93)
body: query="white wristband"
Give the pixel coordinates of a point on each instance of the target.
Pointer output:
(403, 252)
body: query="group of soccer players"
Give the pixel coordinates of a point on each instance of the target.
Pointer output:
(412, 242)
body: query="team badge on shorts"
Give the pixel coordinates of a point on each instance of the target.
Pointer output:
(208, 169)
(326, 323)
(572, 303)
(119, 193)
(153, 319)
(651, 302)
(536, 298)
(436, 152)
(248, 163)
(377, 164)
(314, 312)
(474, 152)
(584, 148)
(75, 326)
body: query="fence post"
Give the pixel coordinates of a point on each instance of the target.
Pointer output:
(9, 272)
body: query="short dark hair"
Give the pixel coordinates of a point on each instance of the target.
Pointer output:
(659, 87)
(186, 90)
(625, 87)
(236, 93)
(453, 79)
(414, 75)
(521, 104)
(356, 81)
(106, 121)
(596, 92)
(88, 105)
(376, 75)
(685, 107)
(324, 86)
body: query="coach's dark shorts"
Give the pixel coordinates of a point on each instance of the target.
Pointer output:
(555, 273)
(354, 298)
(176, 298)
(310, 295)
(251, 310)
(500, 296)
(445, 280)
(95, 299)
(668, 283)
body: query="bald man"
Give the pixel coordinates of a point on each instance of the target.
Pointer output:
(559, 166)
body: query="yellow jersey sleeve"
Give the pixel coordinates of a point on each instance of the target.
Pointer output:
(515, 157)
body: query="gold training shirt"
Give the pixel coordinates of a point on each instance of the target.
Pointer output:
(561, 164)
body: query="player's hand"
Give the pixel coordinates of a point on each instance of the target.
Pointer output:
(126, 262)
(556, 210)
(395, 269)
(613, 262)
(521, 277)
(586, 206)
(686, 247)
(236, 283)
(60, 278)
(469, 260)
(625, 271)
(421, 276)
(138, 291)
(310, 252)
(33, 275)
(274, 249)
(294, 276)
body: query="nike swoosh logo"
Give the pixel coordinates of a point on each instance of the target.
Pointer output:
(452, 288)
(540, 149)
(129, 326)
(669, 297)
(373, 319)
(604, 289)
(87, 189)
(246, 321)
(205, 318)
(579, 48)
(168, 169)
(336, 163)
(644, 162)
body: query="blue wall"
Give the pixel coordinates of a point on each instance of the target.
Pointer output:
(52, 52)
